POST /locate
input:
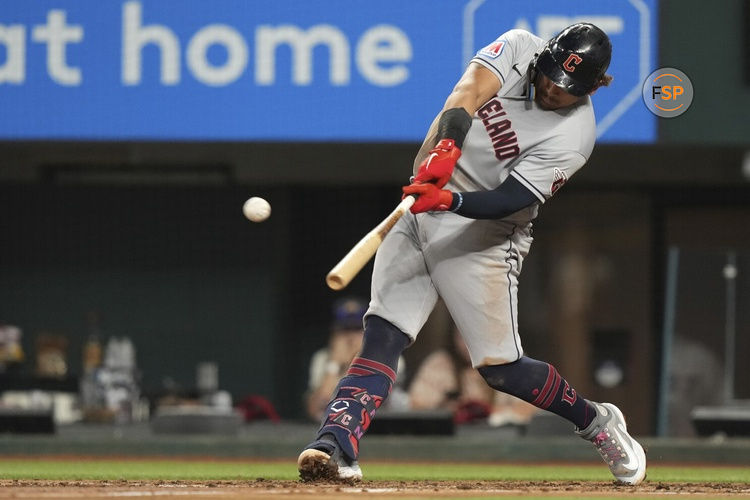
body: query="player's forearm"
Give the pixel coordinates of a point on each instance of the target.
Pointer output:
(477, 86)
(468, 99)
(453, 124)
(509, 198)
(429, 142)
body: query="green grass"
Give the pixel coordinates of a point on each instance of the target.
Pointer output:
(237, 470)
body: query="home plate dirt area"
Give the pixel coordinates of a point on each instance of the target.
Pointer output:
(262, 488)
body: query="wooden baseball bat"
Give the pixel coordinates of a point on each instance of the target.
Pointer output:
(353, 262)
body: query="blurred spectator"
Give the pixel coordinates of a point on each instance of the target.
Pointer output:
(92, 348)
(51, 355)
(111, 391)
(446, 380)
(11, 352)
(330, 363)
(696, 376)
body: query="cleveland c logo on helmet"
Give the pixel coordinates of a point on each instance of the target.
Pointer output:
(569, 63)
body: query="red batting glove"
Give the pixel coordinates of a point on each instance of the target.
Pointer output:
(429, 197)
(437, 168)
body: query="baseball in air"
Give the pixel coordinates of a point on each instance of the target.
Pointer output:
(256, 209)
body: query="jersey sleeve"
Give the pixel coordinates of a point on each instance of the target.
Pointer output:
(544, 173)
(500, 55)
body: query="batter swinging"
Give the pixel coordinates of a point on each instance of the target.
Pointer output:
(518, 124)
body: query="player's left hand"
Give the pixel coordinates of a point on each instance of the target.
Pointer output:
(437, 168)
(429, 197)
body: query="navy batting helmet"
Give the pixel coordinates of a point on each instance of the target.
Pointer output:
(576, 59)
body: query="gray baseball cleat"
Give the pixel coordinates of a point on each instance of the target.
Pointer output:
(323, 459)
(609, 434)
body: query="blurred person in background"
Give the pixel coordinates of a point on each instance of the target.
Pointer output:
(445, 380)
(11, 351)
(695, 378)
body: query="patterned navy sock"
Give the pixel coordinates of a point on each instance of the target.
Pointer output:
(365, 386)
(540, 384)
(358, 395)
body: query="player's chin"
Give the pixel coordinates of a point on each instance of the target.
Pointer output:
(545, 104)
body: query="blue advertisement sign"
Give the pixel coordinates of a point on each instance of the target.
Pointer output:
(287, 70)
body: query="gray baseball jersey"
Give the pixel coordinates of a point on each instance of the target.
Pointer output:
(474, 265)
(511, 135)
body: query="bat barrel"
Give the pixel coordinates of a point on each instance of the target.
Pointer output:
(353, 262)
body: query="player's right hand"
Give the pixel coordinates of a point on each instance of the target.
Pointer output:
(430, 198)
(437, 168)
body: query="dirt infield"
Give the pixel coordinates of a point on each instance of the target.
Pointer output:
(283, 490)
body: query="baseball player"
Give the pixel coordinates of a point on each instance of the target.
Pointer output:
(518, 124)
